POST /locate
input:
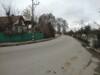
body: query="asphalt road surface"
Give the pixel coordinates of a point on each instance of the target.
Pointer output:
(61, 56)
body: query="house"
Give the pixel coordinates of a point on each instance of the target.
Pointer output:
(13, 24)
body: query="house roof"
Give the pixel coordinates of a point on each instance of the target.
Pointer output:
(5, 20)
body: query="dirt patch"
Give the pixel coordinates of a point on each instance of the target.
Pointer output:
(74, 58)
(90, 61)
(66, 66)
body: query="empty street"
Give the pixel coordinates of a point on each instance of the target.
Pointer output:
(61, 56)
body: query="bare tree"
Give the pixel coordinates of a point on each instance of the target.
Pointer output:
(61, 24)
(27, 12)
(64, 26)
(46, 22)
(8, 8)
(9, 12)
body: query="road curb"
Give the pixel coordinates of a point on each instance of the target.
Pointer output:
(24, 43)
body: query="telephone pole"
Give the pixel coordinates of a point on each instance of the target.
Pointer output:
(33, 10)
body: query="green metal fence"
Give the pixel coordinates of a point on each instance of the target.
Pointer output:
(21, 37)
(38, 36)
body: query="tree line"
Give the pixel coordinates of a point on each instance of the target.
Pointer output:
(47, 23)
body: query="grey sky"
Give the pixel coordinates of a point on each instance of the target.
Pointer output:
(71, 10)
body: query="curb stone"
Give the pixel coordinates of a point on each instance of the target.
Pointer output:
(24, 43)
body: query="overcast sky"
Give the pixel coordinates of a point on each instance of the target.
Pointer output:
(71, 10)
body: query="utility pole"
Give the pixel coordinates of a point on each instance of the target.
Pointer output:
(33, 10)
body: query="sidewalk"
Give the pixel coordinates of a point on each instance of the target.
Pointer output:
(23, 43)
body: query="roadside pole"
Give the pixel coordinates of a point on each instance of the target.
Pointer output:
(33, 10)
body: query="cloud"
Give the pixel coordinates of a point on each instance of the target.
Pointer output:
(71, 10)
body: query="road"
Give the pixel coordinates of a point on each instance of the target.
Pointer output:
(61, 56)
